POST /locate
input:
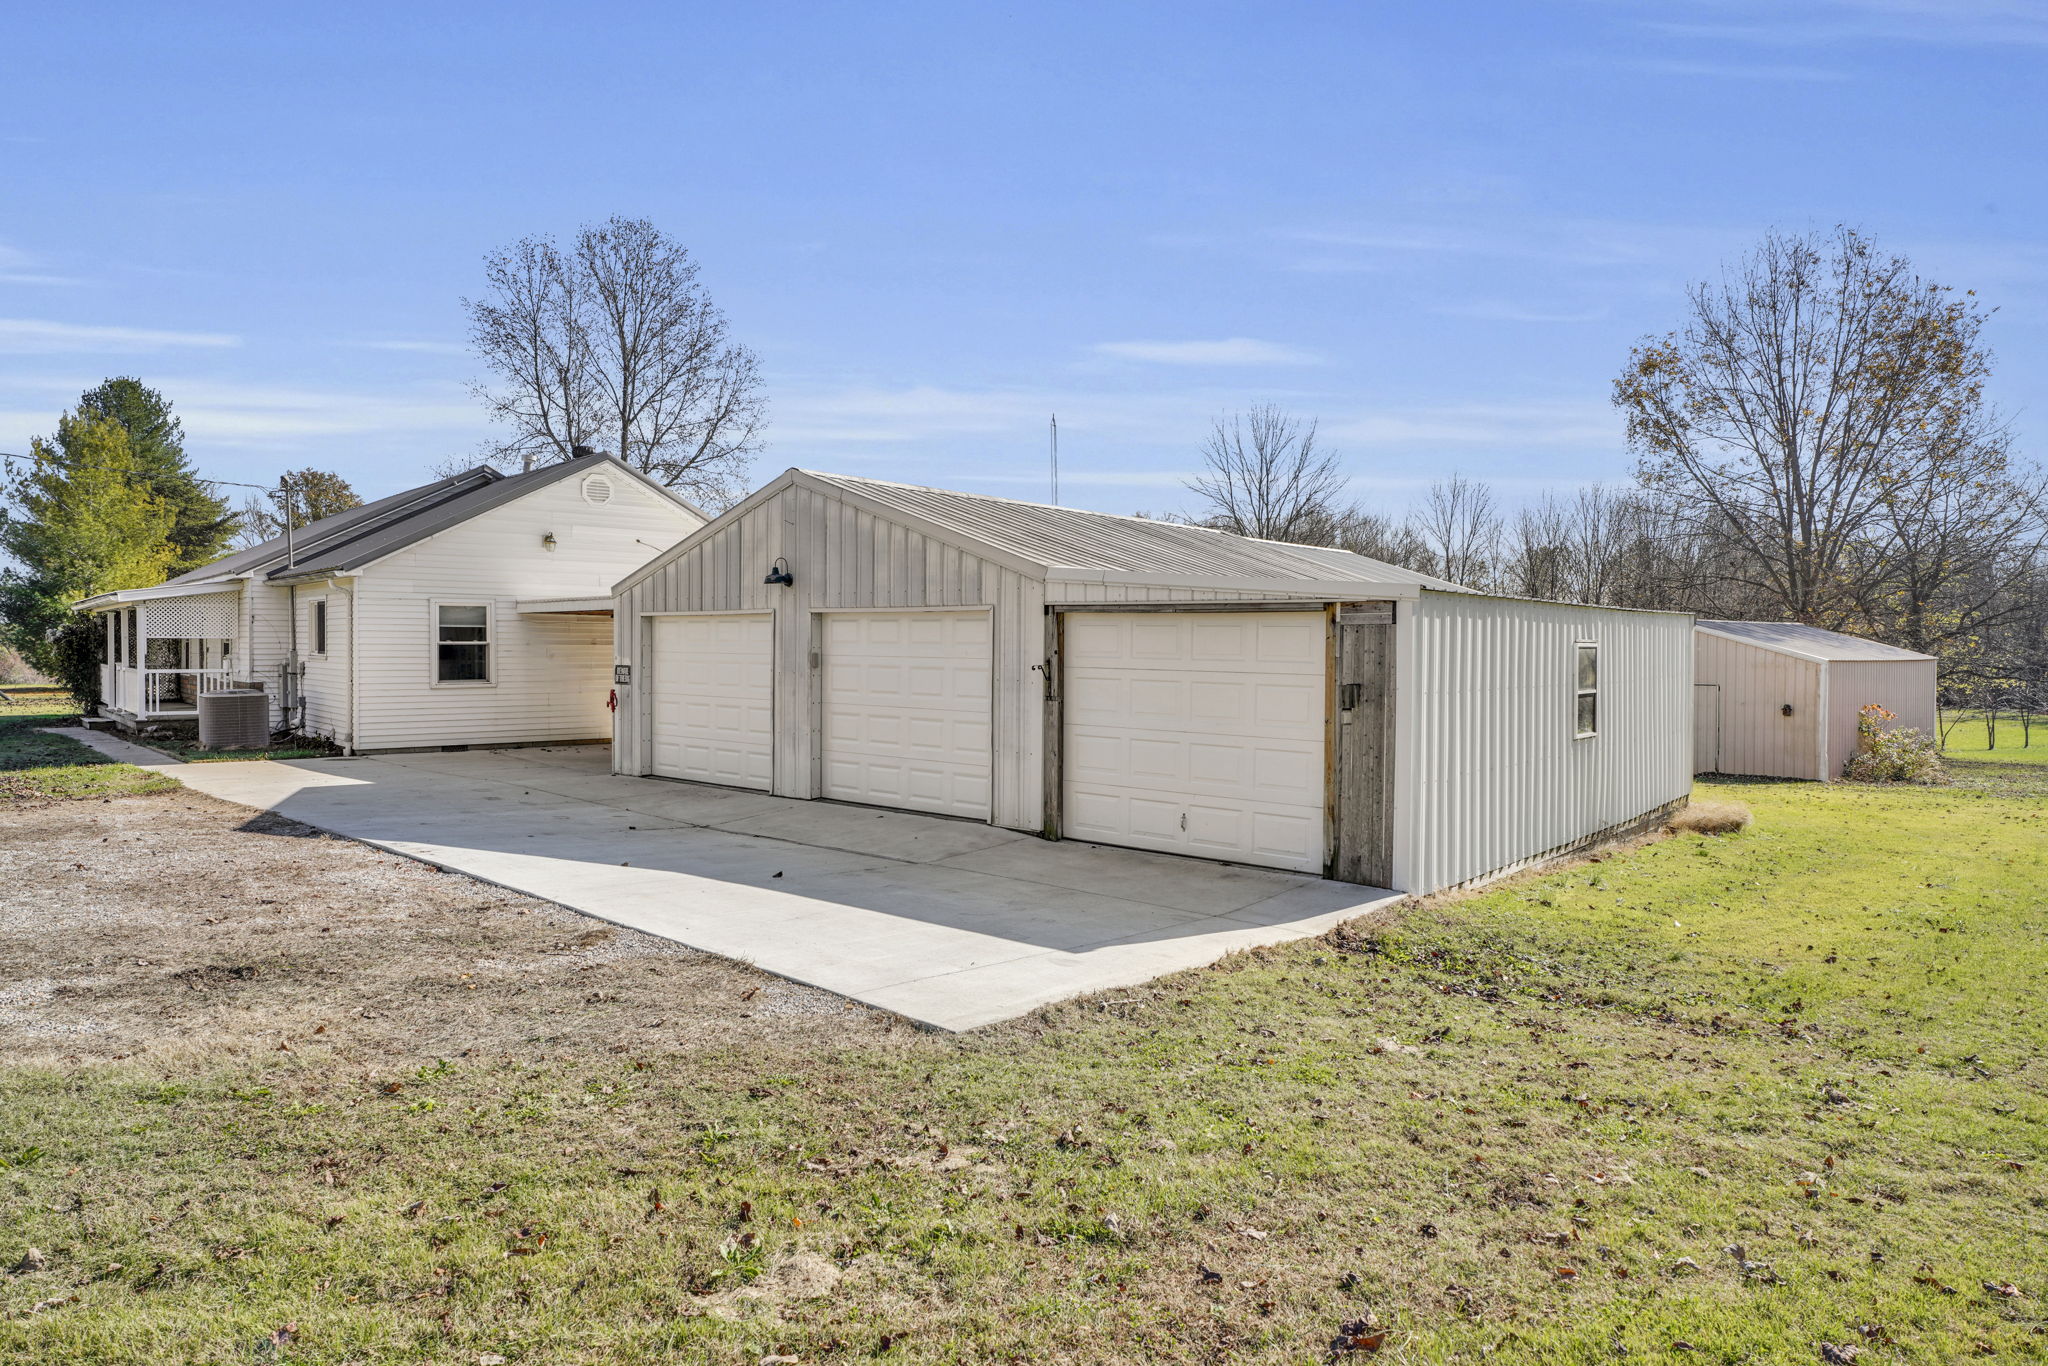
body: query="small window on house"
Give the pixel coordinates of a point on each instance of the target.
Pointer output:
(462, 644)
(320, 627)
(1588, 691)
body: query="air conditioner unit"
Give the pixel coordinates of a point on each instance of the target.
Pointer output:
(234, 719)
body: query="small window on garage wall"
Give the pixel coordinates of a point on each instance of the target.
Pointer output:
(320, 626)
(462, 642)
(1587, 690)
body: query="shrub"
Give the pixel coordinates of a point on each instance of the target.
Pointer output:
(1710, 818)
(1891, 754)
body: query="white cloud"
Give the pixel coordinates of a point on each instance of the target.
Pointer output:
(30, 336)
(1833, 21)
(1483, 427)
(433, 348)
(229, 414)
(1498, 311)
(1229, 351)
(1740, 71)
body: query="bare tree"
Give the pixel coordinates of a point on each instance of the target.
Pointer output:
(1459, 524)
(1380, 537)
(613, 343)
(1265, 476)
(306, 495)
(1805, 386)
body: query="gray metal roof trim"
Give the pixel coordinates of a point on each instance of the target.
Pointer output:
(395, 535)
(1070, 538)
(1816, 641)
(317, 537)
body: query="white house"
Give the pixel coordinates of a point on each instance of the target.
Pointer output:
(1145, 684)
(1781, 700)
(470, 611)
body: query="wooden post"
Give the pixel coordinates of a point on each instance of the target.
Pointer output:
(1364, 845)
(1055, 720)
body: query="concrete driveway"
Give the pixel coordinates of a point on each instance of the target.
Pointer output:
(949, 923)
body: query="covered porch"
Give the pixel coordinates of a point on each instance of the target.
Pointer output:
(161, 652)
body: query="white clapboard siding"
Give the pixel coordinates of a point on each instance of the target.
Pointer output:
(1489, 772)
(551, 673)
(845, 558)
(263, 641)
(327, 679)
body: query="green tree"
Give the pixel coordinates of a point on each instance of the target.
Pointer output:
(201, 524)
(314, 494)
(84, 520)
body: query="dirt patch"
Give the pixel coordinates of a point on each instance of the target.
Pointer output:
(177, 924)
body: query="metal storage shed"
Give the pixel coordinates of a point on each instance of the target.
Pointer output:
(1142, 683)
(1781, 700)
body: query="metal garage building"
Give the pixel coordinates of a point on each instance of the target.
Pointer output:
(1144, 684)
(1780, 700)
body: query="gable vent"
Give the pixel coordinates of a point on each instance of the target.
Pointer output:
(597, 489)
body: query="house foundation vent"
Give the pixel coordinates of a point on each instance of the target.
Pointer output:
(234, 720)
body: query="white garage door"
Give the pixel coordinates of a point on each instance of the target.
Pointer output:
(711, 682)
(1197, 733)
(906, 711)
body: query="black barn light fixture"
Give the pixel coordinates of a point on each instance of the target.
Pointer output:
(778, 573)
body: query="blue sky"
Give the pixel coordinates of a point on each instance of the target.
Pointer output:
(1436, 227)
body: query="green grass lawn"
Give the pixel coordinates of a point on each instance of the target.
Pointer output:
(1970, 738)
(1528, 1126)
(35, 766)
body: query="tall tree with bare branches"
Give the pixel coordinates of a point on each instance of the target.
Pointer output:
(613, 343)
(1264, 475)
(1460, 524)
(1817, 377)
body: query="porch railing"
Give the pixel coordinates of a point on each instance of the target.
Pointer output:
(158, 692)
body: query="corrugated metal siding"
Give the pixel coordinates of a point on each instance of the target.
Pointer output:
(552, 673)
(843, 557)
(1757, 738)
(1902, 686)
(1488, 772)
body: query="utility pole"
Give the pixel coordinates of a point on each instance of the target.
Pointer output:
(1055, 459)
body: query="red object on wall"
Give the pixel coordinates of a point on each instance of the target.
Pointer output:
(613, 700)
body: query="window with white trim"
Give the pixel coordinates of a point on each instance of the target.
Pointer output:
(320, 626)
(1587, 691)
(462, 642)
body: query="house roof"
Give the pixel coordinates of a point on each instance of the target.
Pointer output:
(352, 539)
(1808, 642)
(1068, 539)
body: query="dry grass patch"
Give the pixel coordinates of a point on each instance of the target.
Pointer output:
(178, 926)
(1711, 818)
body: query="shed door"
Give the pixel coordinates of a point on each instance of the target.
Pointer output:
(710, 697)
(1706, 727)
(906, 710)
(1197, 733)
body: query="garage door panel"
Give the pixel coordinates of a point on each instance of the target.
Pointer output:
(709, 694)
(906, 718)
(1198, 733)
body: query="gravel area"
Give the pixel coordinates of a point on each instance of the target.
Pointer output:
(178, 924)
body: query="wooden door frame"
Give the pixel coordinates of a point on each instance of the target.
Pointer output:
(1361, 753)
